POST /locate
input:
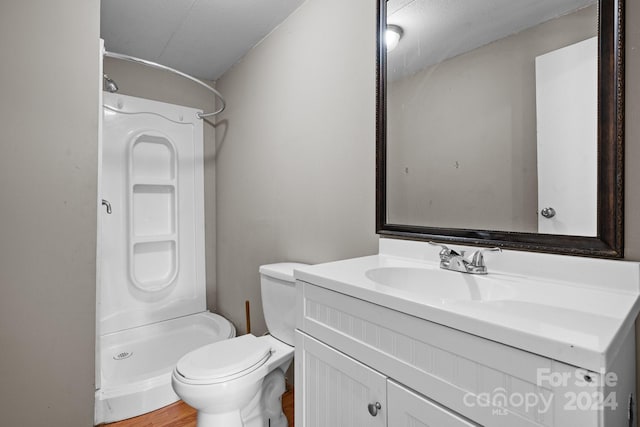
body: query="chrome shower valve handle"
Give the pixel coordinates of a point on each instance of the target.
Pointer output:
(108, 205)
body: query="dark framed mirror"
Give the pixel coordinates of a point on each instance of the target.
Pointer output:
(501, 123)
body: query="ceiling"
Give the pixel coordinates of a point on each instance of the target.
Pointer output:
(435, 30)
(203, 38)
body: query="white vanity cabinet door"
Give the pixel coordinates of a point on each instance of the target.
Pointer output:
(409, 409)
(335, 390)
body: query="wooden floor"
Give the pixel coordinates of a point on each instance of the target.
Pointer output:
(182, 415)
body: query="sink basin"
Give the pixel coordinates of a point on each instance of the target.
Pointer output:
(440, 286)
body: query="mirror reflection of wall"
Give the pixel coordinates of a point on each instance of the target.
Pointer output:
(461, 111)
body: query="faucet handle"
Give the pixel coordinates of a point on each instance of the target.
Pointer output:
(477, 259)
(446, 251)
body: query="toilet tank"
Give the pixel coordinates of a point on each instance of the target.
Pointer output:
(279, 299)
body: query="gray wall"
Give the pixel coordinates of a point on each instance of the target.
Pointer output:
(49, 131)
(462, 133)
(296, 162)
(150, 83)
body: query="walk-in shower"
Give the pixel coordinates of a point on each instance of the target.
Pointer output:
(151, 304)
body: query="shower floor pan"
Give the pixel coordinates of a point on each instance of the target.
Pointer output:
(136, 364)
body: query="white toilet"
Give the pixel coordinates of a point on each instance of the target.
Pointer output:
(239, 382)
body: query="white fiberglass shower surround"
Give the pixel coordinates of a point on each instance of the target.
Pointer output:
(151, 303)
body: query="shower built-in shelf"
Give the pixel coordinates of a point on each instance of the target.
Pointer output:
(153, 198)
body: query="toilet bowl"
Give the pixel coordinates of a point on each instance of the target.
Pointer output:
(239, 382)
(221, 381)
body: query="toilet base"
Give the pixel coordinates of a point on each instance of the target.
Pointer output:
(264, 409)
(228, 419)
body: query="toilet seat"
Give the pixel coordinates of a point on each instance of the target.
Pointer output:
(223, 361)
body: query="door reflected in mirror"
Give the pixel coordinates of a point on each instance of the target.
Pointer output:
(492, 113)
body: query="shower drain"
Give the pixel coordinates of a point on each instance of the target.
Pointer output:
(123, 355)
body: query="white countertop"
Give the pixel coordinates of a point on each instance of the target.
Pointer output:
(578, 324)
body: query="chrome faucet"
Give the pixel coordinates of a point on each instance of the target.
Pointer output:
(456, 261)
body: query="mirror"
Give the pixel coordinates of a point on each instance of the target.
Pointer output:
(501, 123)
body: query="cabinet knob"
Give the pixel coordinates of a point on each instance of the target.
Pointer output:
(374, 408)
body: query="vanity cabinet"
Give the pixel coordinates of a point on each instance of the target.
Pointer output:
(339, 391)
(351, 353)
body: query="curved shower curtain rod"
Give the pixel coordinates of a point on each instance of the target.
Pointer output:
(180, 73)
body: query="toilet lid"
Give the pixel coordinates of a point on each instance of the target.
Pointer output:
(223, 358)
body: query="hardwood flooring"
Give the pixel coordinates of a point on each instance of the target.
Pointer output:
(180, 414)
(287, 406)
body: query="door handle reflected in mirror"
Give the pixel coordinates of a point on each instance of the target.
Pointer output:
(548, 212)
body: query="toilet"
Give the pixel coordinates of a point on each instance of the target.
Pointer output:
(239, 382)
